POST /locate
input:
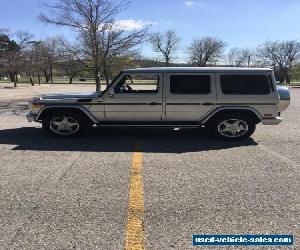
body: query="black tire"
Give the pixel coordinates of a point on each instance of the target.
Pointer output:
(80, 124)
(246, 127)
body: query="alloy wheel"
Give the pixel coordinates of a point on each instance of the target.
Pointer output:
(64, 125)
(233, 128)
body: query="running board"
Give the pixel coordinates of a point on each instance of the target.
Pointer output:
(150, 125)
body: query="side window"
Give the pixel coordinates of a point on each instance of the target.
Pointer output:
(245, 84)
(138, 84)
(190, 84)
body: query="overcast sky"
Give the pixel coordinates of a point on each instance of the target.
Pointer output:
(241, 23)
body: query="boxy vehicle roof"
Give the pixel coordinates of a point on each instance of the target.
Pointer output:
(198, 70)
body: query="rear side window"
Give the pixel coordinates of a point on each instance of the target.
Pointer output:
(190, 84)
(245, 84)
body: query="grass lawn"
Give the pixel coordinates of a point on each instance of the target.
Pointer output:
(296, 83)
(55, 81)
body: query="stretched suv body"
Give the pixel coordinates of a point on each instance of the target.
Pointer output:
(231, 101)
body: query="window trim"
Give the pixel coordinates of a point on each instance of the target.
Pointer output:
(136, 93)
(271, 82)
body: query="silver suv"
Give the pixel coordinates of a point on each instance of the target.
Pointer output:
(229, 101)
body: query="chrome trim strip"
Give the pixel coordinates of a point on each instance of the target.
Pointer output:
(78, 104)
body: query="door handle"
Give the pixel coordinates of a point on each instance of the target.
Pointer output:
(208, 104)
(154, 103)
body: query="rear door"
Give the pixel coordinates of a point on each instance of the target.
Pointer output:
(135, 98)
(189, 96)
(249, 89)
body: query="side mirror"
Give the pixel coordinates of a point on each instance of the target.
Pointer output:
(111, 92)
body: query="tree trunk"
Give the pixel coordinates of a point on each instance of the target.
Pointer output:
(106, 74)
(107, 79)
(51, 74)
(288, 79)
(31, 80)
(46, 76)
(15, 80)
(97, 78)
(11, 77)
(167, 63)
(30, 71)
(70, 79)
(39, 78)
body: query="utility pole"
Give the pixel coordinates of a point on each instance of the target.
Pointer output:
(36, 43)
(30, 70)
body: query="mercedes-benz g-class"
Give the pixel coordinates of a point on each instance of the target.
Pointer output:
(229, 101)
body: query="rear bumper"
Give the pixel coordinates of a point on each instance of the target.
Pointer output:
(271, 121)
(31, 117)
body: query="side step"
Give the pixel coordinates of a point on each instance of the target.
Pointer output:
(151, 125)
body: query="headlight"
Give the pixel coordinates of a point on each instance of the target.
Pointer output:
(35, 107)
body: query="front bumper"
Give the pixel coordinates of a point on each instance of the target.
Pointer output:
(31, 117)
(271, 121)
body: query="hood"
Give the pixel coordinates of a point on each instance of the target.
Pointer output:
(70, 96)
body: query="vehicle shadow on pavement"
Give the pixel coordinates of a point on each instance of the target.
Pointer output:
(119, 140)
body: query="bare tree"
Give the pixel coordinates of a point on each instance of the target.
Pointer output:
(280, 55)
(35, 53)
(165, 43)
(205, 50)
(49, 53)
(29, 64)
(70, 68)
(70, 58)
(22, 39)
(114, 42)
(3, 30)
(239, 57)
(12, 53)
(100, 35)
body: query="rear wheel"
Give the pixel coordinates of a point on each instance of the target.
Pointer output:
(233, 127)
(65, 124)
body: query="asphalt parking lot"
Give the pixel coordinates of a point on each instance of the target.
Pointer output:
(76, 193)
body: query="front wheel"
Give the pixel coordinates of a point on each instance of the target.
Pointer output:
(64, 124)
(233, 128)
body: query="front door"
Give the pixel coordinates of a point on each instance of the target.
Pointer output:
(134, 98)
(189, 96)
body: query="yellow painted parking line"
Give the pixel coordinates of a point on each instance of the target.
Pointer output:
(135, 221)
